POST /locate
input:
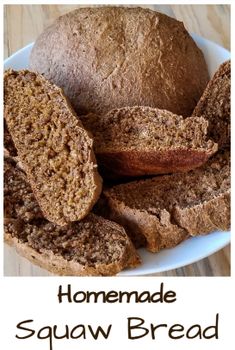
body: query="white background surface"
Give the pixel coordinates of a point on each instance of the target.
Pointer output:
(198, 301)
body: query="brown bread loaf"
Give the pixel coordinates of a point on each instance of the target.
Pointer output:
(136, 141)
(54, 148)
(113, 57)
(214, 105)
(93, 246)
(167, 209)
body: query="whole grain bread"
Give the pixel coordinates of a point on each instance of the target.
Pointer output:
(167, 209)
(214, 105)
(136, 141)
(9, 147)
(54, 148)
(10, 151)
(113, 57)
(19, 200)
(93, 246)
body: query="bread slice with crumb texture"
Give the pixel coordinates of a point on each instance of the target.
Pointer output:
(94, 246)
(137, 141)
(54, 148)
(91, 247)
(168, 209)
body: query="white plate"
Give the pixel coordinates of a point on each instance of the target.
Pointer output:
(195, 248)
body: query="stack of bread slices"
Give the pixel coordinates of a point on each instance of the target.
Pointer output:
(62, 215)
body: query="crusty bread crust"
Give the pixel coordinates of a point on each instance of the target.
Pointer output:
(172, 221)
(214, 105)
(206, 217)
(111, 57)
(140, 163)
(159, 232)
(140, 140)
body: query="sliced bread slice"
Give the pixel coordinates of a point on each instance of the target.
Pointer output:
(167, 209)
(135, 141)
(214, 105)
(93, 246)
(54, 148)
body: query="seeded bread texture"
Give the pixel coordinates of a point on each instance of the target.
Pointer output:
(54, 148)
(135, 141)
(167, 209)
(93, 246)
(113, 57)
(214, 105)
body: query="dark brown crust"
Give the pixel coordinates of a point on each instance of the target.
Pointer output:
(159, 232)
(140, 140)
(111, 57)
(207, 217)
(169, 224)
(102, 209)
(136, 163)
(214, 105)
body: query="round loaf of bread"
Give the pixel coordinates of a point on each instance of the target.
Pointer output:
(112, 57)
